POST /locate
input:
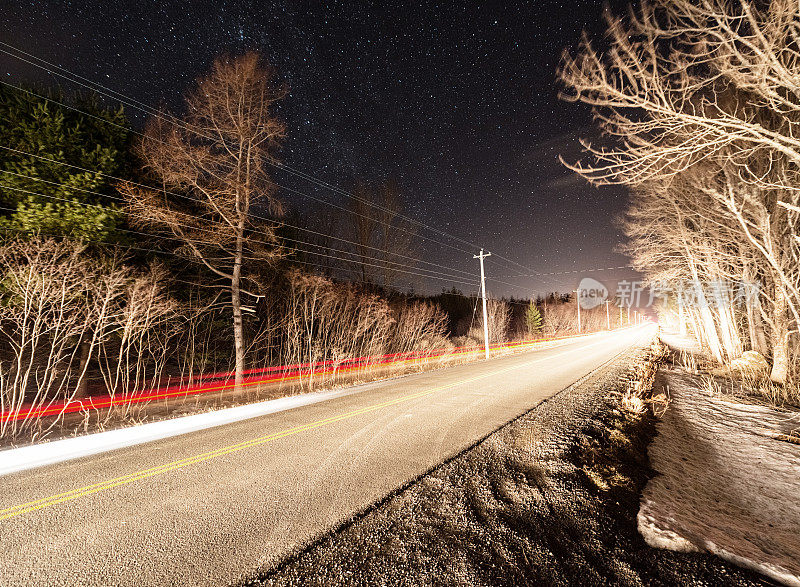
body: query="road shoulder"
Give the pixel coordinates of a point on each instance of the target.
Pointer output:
(727, 471)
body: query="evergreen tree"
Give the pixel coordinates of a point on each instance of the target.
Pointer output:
(533, 318)
(38, 195)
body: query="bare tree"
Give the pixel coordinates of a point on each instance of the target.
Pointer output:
(709, 85)
(560, 316)
(498, 313)
(217, 154)
(54, 296)
(664, 83)
(684, 81)
(383, 236)
(317, 320)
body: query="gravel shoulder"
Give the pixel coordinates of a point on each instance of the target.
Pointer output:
(550, 498)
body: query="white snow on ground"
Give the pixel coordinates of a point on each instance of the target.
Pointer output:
(726, 484)
(678, 342)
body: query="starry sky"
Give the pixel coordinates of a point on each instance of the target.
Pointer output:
(455, 102)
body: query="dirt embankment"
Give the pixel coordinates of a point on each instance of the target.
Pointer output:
(549, 499)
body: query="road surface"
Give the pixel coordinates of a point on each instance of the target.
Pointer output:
(212, 506)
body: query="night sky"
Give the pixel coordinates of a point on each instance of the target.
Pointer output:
(457, 103)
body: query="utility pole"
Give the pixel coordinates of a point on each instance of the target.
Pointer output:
(482, 256)
(608, 315)
(578, 299)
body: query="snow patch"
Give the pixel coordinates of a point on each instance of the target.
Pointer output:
(726, 484)
(659, 536)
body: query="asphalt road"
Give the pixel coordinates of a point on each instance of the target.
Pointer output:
(212, 506)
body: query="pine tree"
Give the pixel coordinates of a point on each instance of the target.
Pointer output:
(533, 318)
(38, 193)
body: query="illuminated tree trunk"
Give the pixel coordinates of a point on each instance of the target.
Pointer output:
(236, 306)
(780, 340)
(730, 337)
(755, 330)
(83, 387)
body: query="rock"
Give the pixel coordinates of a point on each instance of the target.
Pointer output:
(750, 363)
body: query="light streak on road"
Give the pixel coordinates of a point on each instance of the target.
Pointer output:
(221, 382)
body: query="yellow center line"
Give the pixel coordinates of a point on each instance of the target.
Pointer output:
(179, 464)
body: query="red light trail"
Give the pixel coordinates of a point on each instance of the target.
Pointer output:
(282, 373)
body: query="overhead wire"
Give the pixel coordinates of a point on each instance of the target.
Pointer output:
(383, 264)
(115, 95)
(278, 222)
(143, 107)
(21, 152)
(162, 252)
(186, 258)
(567, 272)
(171, 120)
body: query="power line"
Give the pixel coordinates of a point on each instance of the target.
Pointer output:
(115, 95)
(101, 119)
(339, 190)
(567, 272)
(67, 73)
(151, 111)
(251, 229)
(308, 230)
(107, 243)
(73, 108)
(367, 217)
(493, 279)
(162, 252)
(382, 267)
(211, 138)
(383, 264)
(355, 271)
(172, 120)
